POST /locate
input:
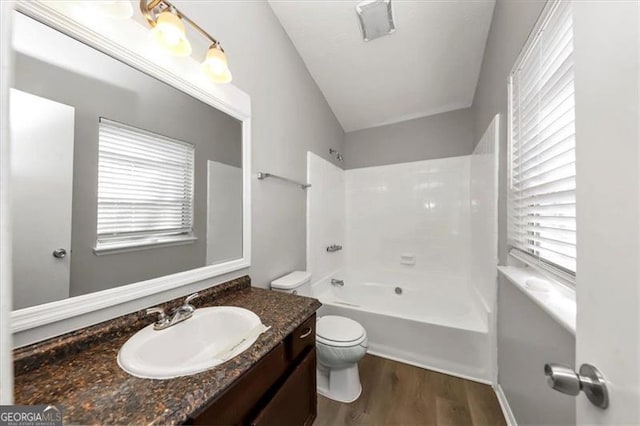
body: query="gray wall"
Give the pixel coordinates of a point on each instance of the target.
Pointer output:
(527, 336)
(511, 24)
(290, 117)
(449, 134)
(108, 88)
(527, 339)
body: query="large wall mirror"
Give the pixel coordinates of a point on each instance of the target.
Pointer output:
(116, 176)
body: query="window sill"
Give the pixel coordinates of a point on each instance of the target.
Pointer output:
(124, 247)
(554, 298)
(547, 271)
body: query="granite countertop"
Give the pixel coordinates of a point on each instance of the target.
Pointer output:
(79, 371)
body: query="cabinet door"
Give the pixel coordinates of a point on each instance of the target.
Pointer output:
(295, 403)
(237, 405)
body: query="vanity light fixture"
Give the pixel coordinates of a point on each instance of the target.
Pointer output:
(215, 64)
(167, 29)
(169, 33)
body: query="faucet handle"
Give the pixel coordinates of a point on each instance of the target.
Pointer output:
(191, 297)
(162, 316)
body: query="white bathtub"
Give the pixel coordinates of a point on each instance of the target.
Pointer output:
(424, 325)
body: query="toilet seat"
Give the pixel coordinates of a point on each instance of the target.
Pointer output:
(337, 331)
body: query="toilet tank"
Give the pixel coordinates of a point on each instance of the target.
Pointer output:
(296, 282)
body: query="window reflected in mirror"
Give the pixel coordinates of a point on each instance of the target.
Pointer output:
(145, 188)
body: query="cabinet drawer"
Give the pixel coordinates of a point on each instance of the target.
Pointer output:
(302, 338)
(295, 403)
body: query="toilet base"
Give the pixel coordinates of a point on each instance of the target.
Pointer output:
(342, 385)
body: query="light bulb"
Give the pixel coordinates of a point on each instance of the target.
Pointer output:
(169, 33)
(215, 65)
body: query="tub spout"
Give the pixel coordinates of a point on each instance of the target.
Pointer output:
(337, 282)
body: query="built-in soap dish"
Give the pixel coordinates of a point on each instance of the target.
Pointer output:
(538, 284)
(408, 259)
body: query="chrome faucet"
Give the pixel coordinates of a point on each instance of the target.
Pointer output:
(337, 282)
(178, 315)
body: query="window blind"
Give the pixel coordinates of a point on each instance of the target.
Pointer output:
(542, 201)
(145, 186)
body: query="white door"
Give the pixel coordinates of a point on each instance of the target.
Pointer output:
(41, 135)
(608, 204)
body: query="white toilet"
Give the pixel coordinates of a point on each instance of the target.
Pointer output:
(340, 343)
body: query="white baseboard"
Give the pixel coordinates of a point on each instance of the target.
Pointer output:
(504, 405)
(428, 367)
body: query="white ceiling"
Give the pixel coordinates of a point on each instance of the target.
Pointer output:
(429, 65)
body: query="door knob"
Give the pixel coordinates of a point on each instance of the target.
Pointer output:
(59, 253)
(589, 380)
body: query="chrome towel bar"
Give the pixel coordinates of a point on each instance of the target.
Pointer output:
(264, 175)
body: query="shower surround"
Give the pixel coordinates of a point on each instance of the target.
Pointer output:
(419, 259)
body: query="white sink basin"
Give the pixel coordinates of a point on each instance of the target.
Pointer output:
(210, 337)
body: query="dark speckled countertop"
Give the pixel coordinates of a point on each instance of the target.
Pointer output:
(79, 372)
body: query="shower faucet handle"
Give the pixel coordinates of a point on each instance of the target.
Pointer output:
(333, 248)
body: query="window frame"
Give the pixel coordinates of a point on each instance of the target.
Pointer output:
(145, 240)
(548, 268)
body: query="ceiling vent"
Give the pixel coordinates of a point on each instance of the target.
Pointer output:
(376, 18)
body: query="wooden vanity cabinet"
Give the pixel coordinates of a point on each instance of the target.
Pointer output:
(295, 402)
(279, 390)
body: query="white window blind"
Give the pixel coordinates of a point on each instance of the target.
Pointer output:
(542, 202)
(145, 187)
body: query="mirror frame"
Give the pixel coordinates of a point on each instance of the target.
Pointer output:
(127, 41)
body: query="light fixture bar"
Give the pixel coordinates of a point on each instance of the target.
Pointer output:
(167, 29)
(151, 8)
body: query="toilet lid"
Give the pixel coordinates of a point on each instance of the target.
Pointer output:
(339, 329)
